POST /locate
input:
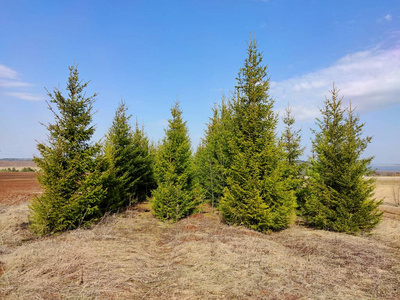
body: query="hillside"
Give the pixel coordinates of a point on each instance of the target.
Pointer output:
(132, 255)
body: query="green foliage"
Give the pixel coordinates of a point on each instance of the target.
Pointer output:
(340, 198)
(129, 175)
(70, 174)
(175, 196)
(118, 151)
(212, 159)
(258, 193)
(143, 163)
(291, 139)
(27, 169)
(291, 145)
(13, 169)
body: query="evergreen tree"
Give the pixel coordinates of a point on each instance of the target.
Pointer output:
(340, 199)
(129, 175)
(70, 173)
(291, 144)
(257, 193)
(143, 165)
(174, 197)
(119, 154)
(212, 159)
(291, 139)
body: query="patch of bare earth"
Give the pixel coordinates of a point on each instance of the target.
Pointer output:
(17, 187)
(132, 255)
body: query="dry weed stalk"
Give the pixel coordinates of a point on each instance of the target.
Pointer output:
(396, 193)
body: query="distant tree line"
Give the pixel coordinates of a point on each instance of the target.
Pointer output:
(242, 166)
(13, 169)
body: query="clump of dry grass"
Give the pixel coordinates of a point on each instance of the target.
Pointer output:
(132, 255)
(13, 225)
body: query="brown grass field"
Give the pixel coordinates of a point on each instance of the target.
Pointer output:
(132, 255)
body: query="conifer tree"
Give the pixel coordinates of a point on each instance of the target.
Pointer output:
(291, 144)
(174, 197)
(291, 139)
(129, 175)
(340, 199)
(212, 159)
(70, 173)
(143, 163)
(257, 193)
(119, 154)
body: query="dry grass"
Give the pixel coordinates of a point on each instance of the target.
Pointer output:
(135, 256)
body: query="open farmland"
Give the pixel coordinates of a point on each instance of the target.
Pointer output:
(17, 164)
(132, 255)
(16, 187)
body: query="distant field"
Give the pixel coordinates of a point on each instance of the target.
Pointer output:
(16, 187)
(387, 188)
(17, 164)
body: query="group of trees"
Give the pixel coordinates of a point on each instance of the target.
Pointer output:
(241, 166)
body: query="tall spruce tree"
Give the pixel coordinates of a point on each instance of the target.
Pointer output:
(291, 144)
(174, 197)
(257, 193)
(212, 159)
(70, 174)
(119, 154)
(291, 139)
(340, 199)
(143, 165)
(129, 175)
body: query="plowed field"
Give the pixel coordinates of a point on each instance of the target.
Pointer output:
(16, 187)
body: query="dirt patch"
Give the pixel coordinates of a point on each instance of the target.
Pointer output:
(17, 187)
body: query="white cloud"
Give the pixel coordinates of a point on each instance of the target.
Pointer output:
(388, 17)
(9, 79)
(369, 79)
(25, 96)
(13, 83)
(8, 73)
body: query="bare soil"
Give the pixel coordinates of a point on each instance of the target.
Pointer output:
(132, 255)
(17, 187)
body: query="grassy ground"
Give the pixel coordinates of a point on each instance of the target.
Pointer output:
(134, 256)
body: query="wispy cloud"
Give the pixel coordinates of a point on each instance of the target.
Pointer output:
(9, 79)
(25, 96)
(387, 18)
(8, 73)
(369, 79)
(13, 83)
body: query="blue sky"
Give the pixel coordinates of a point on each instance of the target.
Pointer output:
(151, 53)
